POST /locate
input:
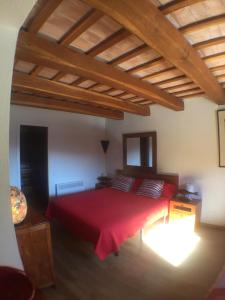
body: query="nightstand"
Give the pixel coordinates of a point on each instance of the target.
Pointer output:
(181, 209)
(103, 182)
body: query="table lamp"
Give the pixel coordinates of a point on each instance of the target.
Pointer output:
(18, 205)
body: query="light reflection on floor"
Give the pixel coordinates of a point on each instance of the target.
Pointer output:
(173, 242)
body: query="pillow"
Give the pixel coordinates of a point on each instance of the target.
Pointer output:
(151, 188)
(169, 190)
(136, 184)
(122, 183)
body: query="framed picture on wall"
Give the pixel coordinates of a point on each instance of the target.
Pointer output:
(221, 135)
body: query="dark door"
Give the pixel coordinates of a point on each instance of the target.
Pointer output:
(34, 164)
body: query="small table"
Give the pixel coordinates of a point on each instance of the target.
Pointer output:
(180, 209)
(103, 182)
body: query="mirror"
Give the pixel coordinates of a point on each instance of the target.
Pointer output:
(133, 151)
(139, 150)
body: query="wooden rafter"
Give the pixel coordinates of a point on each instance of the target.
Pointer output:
(186, 91)
(193, 95)
(90, 18)
(43, 14)
(149, 24)
(24, 82)
(151, 63)
(158, 73)
(209, 43)
(109, 42)
(197, 46)
(214, 57)
(174, 79)
(176, 4)
(42, 52)
(203, 24)
(68, 106)
(178, 86)
(83, 24)
(128, 55)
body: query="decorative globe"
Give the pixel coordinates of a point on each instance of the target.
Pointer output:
(18, 204)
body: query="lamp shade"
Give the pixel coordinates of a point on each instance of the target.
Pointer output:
(190, 188)
(18, 205)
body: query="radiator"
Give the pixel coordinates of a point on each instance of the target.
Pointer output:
(69, 187)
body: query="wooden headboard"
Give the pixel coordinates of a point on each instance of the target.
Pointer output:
(170, 178)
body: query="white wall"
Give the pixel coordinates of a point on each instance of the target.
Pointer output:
(74, 146)
(10, 21)
(187, 145)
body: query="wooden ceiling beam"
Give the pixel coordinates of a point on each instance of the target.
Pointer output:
(56, 89)
(46, 53)
(109, 42)
(203, 24)
(67, 106)
(128, 55)
(43, 14)
(147, 22)
(83, 24)
(197, 46)
(176, 4)
(58, 76)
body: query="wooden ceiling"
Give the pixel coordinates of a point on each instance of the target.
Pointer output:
(104, 57)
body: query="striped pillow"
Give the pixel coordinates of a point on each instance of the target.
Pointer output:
(151, 188)
(122, 183)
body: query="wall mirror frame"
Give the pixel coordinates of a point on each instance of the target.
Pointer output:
(144, 145)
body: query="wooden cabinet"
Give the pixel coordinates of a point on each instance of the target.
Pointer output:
(179, 210)
(34, 241)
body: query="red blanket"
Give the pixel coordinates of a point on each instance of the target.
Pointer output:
(106, 217)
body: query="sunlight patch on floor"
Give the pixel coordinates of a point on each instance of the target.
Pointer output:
(173, 242)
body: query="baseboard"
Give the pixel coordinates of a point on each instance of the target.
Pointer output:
(219, 227)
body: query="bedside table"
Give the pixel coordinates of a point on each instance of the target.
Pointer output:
(103, 182)
(179, 209)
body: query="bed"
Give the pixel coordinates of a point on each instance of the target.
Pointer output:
(107, 217)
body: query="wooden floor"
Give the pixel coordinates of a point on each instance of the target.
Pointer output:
(137, 273)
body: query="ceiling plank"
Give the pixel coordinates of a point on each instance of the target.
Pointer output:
(54, 104)
(44, 13)
(128, 55)
(214, 57)
(83, 24)
(173, 79)
(176, 4)
(209, 43)
(151, 63)
(148, 23)
(56, 89)
(158, 73)
(178, 86)
(46, 53)
(109, 42)
(193, 95)
(90, 18)
(203, 24)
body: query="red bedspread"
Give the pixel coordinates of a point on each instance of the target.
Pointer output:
(106, 217)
